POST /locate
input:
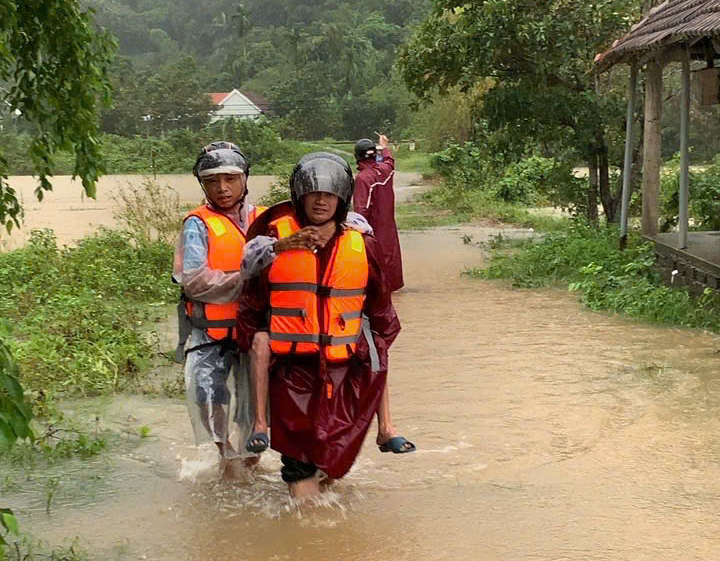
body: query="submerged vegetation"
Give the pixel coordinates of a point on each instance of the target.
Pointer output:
(566, 249)
(76, 323)
(589, 262)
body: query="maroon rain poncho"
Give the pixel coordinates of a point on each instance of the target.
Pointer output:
(305, 424)
(374, 198)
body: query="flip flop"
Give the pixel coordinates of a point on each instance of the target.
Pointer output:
(397, 445)
(257, 447)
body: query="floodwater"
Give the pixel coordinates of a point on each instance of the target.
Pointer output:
(544, 432)
(73, 215)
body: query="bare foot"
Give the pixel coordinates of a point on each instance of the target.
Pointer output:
(304, 488)
(260, 427)
(237, 468)
(226, 449)
(251, 462)
(326, 483)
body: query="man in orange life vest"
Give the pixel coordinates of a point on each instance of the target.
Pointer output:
(331, 323)
(207, 265)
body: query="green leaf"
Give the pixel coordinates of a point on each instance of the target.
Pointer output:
(9, 522)
(7, 435)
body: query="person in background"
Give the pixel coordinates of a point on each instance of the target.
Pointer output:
(374, 198)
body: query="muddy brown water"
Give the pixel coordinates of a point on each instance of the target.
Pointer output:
(72, 215)
(545, 432)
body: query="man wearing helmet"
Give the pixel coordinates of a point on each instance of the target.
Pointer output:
(330, 322)
(207, 266)
(374, 198)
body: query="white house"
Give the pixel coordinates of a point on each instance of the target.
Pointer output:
(239, 105)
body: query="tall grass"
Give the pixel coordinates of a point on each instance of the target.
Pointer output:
(148, 211)
(446, 204)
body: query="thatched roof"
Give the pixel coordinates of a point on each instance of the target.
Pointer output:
(671, 23)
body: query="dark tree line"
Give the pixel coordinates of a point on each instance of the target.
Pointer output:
(325, 67)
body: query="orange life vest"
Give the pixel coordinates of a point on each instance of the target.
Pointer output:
(225, 250)
(308, 315)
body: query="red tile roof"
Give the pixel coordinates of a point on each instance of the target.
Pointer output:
(218, 97)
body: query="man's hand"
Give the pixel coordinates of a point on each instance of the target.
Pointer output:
(307, 238)
(383, 140)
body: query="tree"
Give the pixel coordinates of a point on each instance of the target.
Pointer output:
(158, 101)
(540, 57)
(15, 414)
(15, 417)
(241, 23)
(55, 62)
(343, 49)
(174, 98)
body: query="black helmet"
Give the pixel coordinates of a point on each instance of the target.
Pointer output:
(326, 155)
(365, 150)
(322, 172)
(220, 157)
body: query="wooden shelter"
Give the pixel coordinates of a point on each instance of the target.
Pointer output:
(674, 31)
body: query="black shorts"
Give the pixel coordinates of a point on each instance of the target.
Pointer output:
(294, 470)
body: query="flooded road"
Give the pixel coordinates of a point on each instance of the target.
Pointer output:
(544, 432)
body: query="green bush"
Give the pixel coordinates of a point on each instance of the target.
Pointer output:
(174, 153)
(279, 190)
(530, 181)
(588, 261)
(259, 141)
(17, 147)
(451, 203)
(143, 155)
(149, 211)
(556, 258)
(15, 415)
(466, 165)
(537, 180)
(704, 200)
(75, 314)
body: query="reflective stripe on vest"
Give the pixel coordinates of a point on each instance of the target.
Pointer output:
(225, 248)
(306, 316)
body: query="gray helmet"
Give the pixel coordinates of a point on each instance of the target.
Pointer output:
(322, 172)
(220, 157)
(327, 155)
(365, 150)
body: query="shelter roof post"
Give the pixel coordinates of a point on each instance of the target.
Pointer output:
(684, 152)
(627, 165)
(651, 148)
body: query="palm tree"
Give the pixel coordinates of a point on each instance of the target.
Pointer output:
(241, 23)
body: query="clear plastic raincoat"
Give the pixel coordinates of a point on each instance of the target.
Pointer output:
(216, 375)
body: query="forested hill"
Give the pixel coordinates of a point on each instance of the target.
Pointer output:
(325, 66)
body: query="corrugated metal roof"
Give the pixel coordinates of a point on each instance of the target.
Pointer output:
(673, 21)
